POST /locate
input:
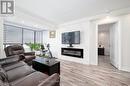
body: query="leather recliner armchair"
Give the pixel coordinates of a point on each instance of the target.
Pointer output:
(19, 50)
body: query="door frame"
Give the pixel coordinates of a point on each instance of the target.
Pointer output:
(118, 35)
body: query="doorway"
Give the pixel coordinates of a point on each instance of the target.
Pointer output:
(108, 45)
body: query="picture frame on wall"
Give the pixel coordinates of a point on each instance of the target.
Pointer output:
(52, 34)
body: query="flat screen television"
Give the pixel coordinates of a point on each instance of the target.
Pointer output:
(71, 37)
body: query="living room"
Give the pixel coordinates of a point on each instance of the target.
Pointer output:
(68, 31)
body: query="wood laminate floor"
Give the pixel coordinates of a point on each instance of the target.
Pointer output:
(76, 74)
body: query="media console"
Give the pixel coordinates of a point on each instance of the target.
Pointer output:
(75, 52)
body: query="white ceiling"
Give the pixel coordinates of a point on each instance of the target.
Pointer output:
(61, 11)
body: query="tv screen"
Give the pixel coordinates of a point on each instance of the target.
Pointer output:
(71, 37)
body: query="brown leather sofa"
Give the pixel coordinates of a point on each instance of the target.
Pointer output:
(17, 73)
(19, 50)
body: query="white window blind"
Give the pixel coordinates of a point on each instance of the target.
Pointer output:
(12, 34)
(39, 36)
(28, 36)
(21, 35)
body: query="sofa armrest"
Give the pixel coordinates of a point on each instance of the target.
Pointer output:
(3, 61)
(21, 57)
(29, 53)
(8, 60)
(53, 80)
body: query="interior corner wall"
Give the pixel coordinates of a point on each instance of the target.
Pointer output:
(1, 38)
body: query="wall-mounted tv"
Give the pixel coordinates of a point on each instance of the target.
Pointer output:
(71, 37)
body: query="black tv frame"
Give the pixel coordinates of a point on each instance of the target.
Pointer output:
(70, 44)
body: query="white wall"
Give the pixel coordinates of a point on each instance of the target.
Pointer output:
(84, 35)
(93, 44)
(1, 38)
(104, 37)
(57, 45)
(52, 41)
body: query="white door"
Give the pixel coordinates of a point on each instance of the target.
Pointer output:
(114, 45)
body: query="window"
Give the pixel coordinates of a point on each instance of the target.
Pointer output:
(39, 36)
(28, 36)
(12, 34)
(21, 35)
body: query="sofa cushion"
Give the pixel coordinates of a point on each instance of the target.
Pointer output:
(13, 65)
(4, 83)
(8, 60)
(19, 72)
(53, 80)
(17, 52)
(3, 74)
(3, 78)
(31, 80)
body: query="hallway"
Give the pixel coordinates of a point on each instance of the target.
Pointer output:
(104, 61)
